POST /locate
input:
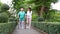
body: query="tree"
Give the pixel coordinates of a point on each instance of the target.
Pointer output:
(18, 4)
(41, 6)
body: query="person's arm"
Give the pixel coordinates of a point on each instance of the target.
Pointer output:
(31, 15)
(31, 12)
(25, 15)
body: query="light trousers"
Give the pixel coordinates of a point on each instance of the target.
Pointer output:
(21, 24)
(29, 22)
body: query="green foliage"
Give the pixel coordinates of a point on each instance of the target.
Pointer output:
(12, 19)
(18, 4)
(0, 3)
(34, 16)
(0, 6)
(4, 7)
(3, 17)
(4, 13)
(52, 16)
(49, 14)
(57, 17)
(34, 4)
(49, 27)
(38, 3)
(7, 28)
(40, 19)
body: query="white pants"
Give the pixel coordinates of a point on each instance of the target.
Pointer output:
(29, 22)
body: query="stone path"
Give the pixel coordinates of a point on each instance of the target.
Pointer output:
(26, 31)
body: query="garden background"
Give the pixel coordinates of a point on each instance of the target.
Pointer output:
(44, 17)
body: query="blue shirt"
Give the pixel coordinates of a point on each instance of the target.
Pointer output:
(21, 15)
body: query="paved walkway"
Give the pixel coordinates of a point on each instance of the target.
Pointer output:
(25, 31)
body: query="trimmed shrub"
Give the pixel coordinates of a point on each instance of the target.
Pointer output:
(40, 19)
(7, 28)
(49, 27)
(4, 7)
(3, 17)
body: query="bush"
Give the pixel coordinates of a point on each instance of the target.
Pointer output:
(49, 27)
(49, 15)
(11, 19)
(4, 7)
(40, 19)
(7, 28)
(34, 16)
(57, 17)
(3, 17)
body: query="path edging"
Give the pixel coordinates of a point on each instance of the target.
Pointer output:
(40, 30)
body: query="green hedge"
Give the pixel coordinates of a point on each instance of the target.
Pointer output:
(3, 17)
(7, 28)
(49, 27)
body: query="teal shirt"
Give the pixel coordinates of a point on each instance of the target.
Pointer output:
(21, 15)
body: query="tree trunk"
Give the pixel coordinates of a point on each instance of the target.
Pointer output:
(41, 11)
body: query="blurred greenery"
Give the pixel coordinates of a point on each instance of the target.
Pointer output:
(3, 7)
(4, 13)
(48, 27)
(41, 12)
(41, 8)
(3, 18)
(7, 28)
(34, 16)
